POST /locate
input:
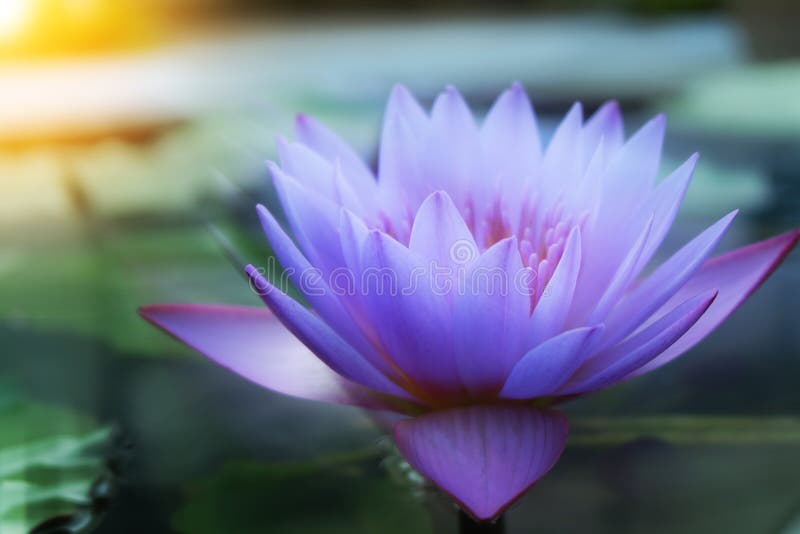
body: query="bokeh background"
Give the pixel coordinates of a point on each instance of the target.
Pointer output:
(134, 131)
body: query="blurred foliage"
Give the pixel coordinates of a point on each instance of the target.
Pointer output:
(48, 461)
(759, 102)
(685, 430)
(325, 496)
(94, 287)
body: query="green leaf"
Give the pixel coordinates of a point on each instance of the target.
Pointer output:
(48, 460)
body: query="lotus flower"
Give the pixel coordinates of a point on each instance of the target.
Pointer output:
(475, 281)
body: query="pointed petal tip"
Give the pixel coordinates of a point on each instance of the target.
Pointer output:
(576, 108)
(302, 120)
(400, 91)
(274, 169)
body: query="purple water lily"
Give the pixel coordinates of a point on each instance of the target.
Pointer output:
(475, 282)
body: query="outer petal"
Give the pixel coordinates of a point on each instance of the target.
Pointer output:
(662, 284)
(311, 132)
(663, 204)
(544, 369)
(735, 275)
(633, 171)
(320, 295)
(485, 457)
(252, 343)
(321, 339)
(612, 365)
(313, 220)
(626, 182)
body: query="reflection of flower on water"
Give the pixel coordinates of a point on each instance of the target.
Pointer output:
(477, 373)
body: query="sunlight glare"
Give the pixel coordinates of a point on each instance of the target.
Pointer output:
(13, 15)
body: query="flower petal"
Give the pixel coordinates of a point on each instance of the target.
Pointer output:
(317, 291)
(485, 457)
(611, 365)
(252, 343)
(662, 284)
(510, 140)
(313, 220)
(321, 339)
(439, 233)
(399, 176)
(411, 315)
(606, 124)
(403, 104)
(547, 367)
(452, 147)
(736, 275)
(489, 316)
(312, 133)
(633, 171)
(663, 205)
(563, 157)
(554, 303)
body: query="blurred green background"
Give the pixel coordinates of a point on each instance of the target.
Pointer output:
(128, 127)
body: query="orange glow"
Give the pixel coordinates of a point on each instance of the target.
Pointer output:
(62, 27)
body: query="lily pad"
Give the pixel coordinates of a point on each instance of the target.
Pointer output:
(49, 458)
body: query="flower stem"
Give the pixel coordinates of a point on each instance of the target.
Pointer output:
(467, 525)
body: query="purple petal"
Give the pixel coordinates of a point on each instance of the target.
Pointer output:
(662, 284)
(547, 367)
(490, 316)
(450, 160)
(562, 159)
(313, 220)
(403, 104)
(611, 365)
(311, 132)
(253, 344)
(321, 339)
(439, 233)
(735, 275)
(609, 256)
(635, 167)
(622, 278)
(510, 139)
(485, 457)
(411, 316)
(664, 203)
(605, 124)
(307, 167)
(324, 299)
(399, 172)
